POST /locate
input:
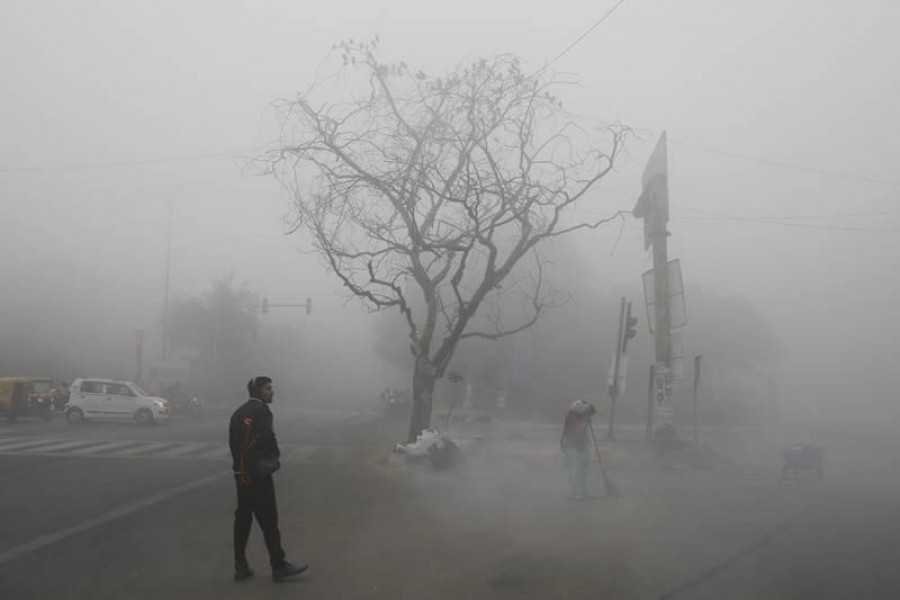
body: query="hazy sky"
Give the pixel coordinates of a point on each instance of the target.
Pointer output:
(812, 84)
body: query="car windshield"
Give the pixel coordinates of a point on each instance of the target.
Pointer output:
(137, 389)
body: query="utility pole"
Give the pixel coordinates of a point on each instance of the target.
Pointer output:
(614, 387)
(697, 363)
(653, 207)
(139, 355)
(650, 395)
(661, 298)
(165, 332)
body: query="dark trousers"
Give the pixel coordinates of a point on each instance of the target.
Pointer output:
(257, 499)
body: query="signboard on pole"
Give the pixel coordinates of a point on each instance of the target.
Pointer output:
(659, 386)
(662, 393)
(653, 203)
(677, 307)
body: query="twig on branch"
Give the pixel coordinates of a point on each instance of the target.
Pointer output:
(427, 193)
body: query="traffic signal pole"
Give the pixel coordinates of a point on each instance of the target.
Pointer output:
(614, 388)
(627, 331)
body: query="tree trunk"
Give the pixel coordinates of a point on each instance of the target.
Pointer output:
(423, 390)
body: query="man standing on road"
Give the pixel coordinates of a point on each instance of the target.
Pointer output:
(574, 443)
(255, 455)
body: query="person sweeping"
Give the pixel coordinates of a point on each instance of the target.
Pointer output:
(577, 436)
(575, 444)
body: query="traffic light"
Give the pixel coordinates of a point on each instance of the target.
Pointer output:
(265, 306)
(309, 306)
(630, 331)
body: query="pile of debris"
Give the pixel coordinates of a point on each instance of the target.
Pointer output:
(431, 447)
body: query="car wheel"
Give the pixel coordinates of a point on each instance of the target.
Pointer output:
(143, 417)
(74, 415)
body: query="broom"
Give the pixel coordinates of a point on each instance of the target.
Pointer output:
(611, 490)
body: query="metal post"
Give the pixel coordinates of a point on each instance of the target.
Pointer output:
(697, 360)
(650, 394)
(661, 305)
(165, 333)
(614, 388)
(139, 355)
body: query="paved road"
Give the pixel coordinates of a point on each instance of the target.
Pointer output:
(94, 510)
(122, 511)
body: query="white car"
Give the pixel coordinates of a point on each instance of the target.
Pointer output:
(108, 400)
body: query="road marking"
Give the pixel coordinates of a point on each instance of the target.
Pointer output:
(145, 447)
(166, 450)
(219, 452)
(181, 449)
(52, 538)
(20, 444)
(104, 446)
(60, 446)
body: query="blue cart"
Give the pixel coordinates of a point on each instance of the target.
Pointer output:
(805, 459)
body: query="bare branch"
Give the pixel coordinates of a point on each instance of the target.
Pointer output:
(426, 193)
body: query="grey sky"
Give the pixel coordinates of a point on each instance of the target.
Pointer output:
(806, 83)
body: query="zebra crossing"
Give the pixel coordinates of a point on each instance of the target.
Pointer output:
(161, 450)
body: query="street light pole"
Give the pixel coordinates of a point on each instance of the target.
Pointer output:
(165, 332)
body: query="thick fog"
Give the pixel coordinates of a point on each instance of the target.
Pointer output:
(139, 189)
(782, 161)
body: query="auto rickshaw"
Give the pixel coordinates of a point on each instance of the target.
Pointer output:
(26, 397)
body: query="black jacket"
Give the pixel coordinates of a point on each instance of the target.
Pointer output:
(251, 433)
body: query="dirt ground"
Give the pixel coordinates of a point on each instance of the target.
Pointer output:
(501, 527)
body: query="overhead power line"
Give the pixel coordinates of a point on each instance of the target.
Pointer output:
(580, 38)
(780, 220)
(870, 213)
(783, 165)
(783, 223)
(125, 163)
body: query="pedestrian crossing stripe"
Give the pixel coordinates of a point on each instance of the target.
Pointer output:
(168, 450)
(99, 447)
(181, 449)
(17, 444)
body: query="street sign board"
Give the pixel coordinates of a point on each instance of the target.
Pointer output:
(662, 394)
(660, 389)
(653, 204)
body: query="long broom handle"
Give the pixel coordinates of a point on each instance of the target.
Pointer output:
(597, 451)
(611, 489)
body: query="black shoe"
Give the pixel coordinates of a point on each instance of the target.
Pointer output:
(242, 574)
(286, 569)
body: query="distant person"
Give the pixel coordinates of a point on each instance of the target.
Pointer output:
(575, 443)
(61, 396)
(255, 455)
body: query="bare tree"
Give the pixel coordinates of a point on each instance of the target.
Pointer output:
(425, 193)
